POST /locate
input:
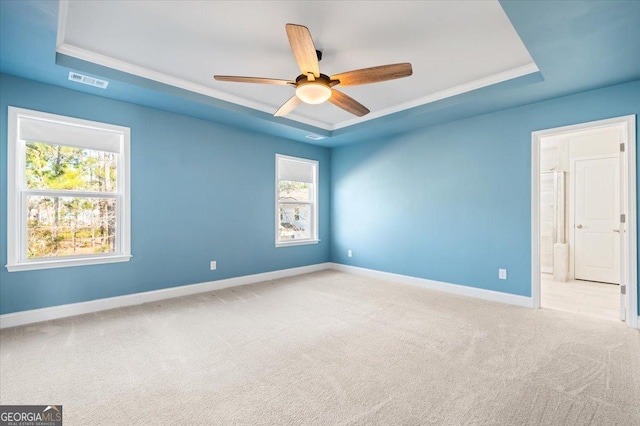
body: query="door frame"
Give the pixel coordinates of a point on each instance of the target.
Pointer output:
(628, 256)
(572, 208)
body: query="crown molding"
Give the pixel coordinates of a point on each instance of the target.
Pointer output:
(443, 94)
(125, 67)
(122, 66)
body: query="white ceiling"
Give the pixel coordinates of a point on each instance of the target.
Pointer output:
(454, 47)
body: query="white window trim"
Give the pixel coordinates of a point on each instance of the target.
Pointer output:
(316, 191)
(16, 232)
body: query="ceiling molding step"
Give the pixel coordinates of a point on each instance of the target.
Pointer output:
(63, 11)
(127, 68)
(448, 93)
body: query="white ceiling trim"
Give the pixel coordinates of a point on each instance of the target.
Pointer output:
(99, 59)
(96, 58)
(63, 11)
(443, 94)
(86, 55)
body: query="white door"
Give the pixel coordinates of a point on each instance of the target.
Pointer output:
(597, 220)
(624, 279)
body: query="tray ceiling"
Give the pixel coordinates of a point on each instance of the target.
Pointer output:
(454, 47)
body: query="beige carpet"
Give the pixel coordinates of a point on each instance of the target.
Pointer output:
(326, 348)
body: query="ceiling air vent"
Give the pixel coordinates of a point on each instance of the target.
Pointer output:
(79, 78)
(314, 137)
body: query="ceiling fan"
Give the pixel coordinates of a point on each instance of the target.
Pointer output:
(312, 87)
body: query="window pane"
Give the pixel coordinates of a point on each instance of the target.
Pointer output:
(295, 222)
(65, 167)
(294, 191)
(68, 226)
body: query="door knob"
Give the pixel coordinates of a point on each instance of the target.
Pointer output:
(616, 230)
(579, 226)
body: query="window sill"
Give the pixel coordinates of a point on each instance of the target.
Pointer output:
(63, 263)
(297, 243)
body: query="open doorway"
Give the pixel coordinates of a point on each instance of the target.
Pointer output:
(583, 219)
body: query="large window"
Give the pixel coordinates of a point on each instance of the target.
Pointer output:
(296, 201)
(68, 191)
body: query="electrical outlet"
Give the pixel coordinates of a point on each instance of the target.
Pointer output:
(502, 274)
(349, 253)
(213, 265)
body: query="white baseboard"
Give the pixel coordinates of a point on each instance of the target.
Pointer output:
(463, 290)
(62, 311)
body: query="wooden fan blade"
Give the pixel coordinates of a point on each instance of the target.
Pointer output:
(288, 106)
(347, 103)
(374, 74)
(259, 80)
(303, 49)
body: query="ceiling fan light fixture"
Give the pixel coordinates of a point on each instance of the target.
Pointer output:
(313, 92)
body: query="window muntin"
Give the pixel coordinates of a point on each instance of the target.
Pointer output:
(68, 191)
(296, 201)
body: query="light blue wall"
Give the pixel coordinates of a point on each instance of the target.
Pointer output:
(200, 191)
(449, 202)
(452, 202)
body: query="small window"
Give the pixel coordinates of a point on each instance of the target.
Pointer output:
(296, 201)
(68, 191)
